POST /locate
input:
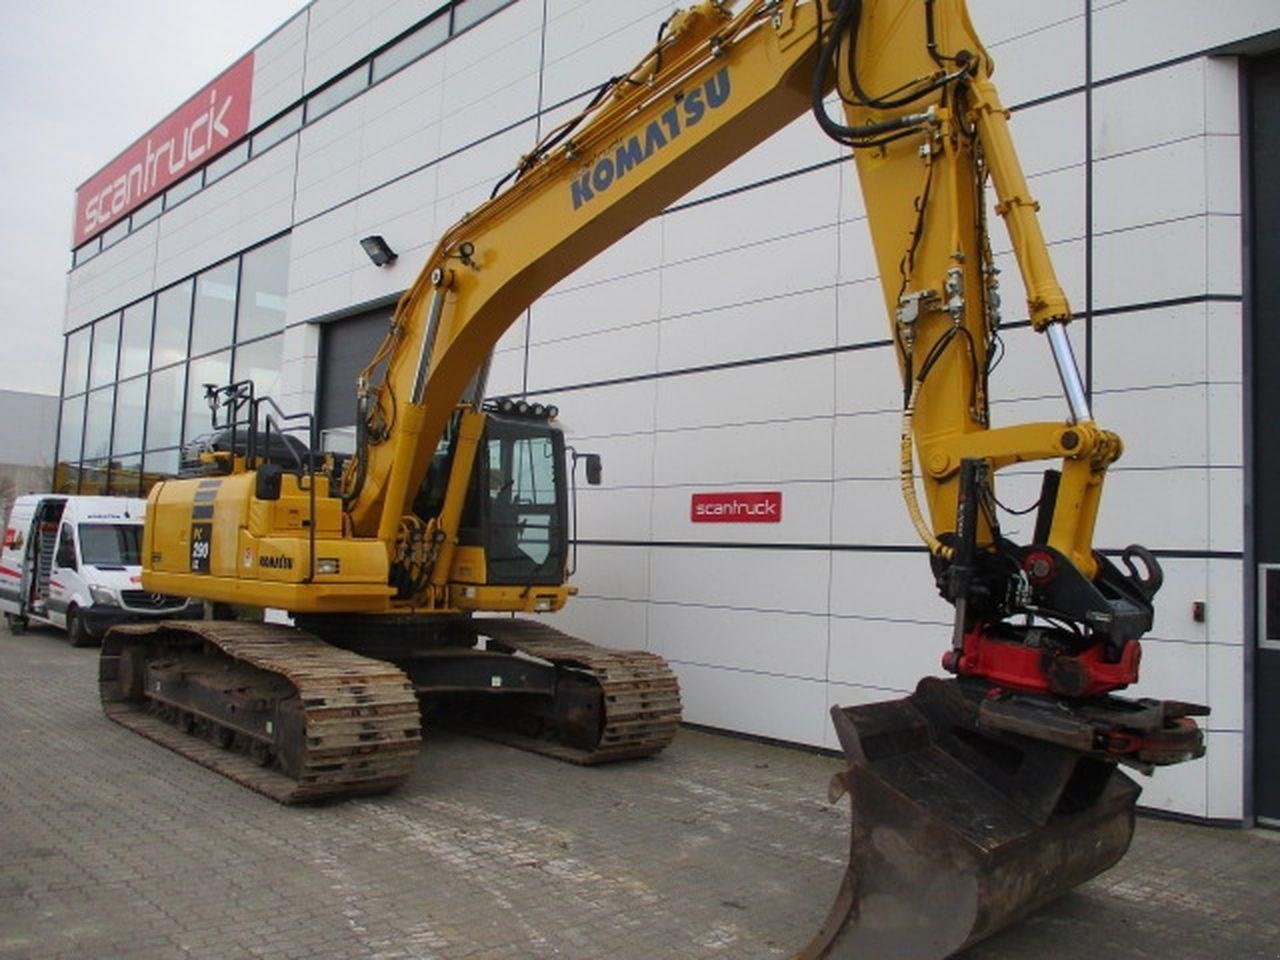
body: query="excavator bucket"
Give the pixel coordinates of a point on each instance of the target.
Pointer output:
(959, 830)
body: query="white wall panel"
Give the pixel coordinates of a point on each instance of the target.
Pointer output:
(871, 585)
(787, 644)
(1224, 782)
(1136, 33)
(1025, 71)
(340, 32)
(762, 324)
(567, 313)
(619, 573)
(871, 511)
(754, 454)
(887, 656)
(770, 392)
(622, 624)
(762, 704)
(120, 274)
(246, 206)
(628, 352)
(1000, 21)
(277, 70)
(786, 581)
(588, 43)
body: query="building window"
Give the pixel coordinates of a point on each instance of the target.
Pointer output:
(277, 130)
(135, 339)
(183, 189)
(470, 12)
(228, 161)
(173, 325)
(164, 412)
(130, 416)
(106, 342)
(75, 371)
(264, 274)
(216, 370)
(214, 317)
(419, 43)
(337, 93)
(97, 423)
(71, 429)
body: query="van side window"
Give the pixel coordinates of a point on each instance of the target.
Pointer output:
(66, 548)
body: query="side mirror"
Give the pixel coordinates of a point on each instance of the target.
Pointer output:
(594, 469)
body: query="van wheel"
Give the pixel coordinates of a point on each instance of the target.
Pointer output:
(16, 623)
(76, 632)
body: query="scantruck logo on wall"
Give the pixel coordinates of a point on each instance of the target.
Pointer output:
(758, 506)
(193, 134)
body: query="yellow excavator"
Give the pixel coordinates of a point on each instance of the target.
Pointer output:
(973, 800)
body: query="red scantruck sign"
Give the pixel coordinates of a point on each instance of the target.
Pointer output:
(741, 507)
(192, 135)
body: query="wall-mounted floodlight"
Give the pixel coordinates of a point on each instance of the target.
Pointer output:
(379, 252)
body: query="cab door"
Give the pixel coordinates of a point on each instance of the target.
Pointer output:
(65, 580)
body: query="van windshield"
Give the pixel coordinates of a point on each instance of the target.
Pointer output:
(111, 544)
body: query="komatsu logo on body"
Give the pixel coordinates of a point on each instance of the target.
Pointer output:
(688, 112)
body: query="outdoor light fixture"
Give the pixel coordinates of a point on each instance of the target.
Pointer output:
(378, 250)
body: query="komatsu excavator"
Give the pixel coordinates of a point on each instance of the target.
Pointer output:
(975, 799)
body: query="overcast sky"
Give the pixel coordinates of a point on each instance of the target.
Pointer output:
(80, 80)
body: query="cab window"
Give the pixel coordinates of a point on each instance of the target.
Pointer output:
(66, 556)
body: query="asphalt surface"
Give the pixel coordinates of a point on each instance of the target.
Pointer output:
(111, 846)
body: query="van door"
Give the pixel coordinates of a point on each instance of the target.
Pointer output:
(65, 580)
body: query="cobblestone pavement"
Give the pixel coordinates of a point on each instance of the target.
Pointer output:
(111, 846)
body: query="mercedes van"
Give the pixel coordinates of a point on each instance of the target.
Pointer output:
(74, 562)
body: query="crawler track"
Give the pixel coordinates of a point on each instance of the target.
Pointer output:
(641, 695)
(271, 707)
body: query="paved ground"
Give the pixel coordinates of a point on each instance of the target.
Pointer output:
(111, 846)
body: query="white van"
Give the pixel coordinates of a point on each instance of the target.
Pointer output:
(74, 562)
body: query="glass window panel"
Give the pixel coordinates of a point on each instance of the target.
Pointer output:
(126, 476)
(426, 38)
(173, 320)
(66, 478)
(338, 92)
(93, 478)
(215, 309)
(148, 211)
(216, 370)
(473, 11)
(71, 430)
(220, 167)
(131, 405)
(117, 232)
(76, 372)
(182, 189)
(158, 465)
(97, 423)
(135, 339)
(164, 417)
(86, 252)
(260, 362)
(264, 285)
(106, 341)
(277, 130)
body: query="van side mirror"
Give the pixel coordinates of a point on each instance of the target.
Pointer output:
(594, 468)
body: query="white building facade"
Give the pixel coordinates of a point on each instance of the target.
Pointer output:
(738, 342)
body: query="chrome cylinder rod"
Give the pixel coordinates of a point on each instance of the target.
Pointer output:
(1068, 372)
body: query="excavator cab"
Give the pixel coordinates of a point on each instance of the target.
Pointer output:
(517, 507)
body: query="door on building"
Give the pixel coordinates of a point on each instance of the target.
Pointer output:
(346, 346)
(1264, 394)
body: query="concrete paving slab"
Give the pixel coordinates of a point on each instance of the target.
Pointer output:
(111, 846)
